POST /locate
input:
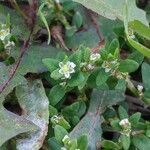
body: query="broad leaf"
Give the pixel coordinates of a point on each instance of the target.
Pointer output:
(56, 94)
(34, 103)
(128, 65)
(32, 60)
(141, 142)
(4, 76)
(113, 9)
(12, 124)
(145, 75)
(18, 26)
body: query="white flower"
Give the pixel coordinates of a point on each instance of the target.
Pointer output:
(106, 66)
(125, 123)
(66, 68)
(63, 148)
(57, 1)
(140, 88)
(4, 32)
(132, 36)
(95, 56)
(9, 45)
(90, 66)
(55, 119)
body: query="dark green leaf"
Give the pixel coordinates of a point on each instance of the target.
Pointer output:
(110, 145)
(60, 132)
(51, 64)
(128, 65)
(56, 94)
(125, 140)
(76, 79)
(141, 142)
(122, 113)
(101, 77)
(146, 75)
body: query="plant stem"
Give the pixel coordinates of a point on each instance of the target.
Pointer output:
(16, 6)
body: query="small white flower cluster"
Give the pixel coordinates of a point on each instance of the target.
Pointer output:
(9, 45)
(4, 33)
(126, 125)
(91, 64)
(66, 69)
(140, 88)
(55, 119)
(95, 56)
(109, 65)
(57, 1)
(131, 34)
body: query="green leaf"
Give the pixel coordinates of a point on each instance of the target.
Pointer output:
(77, 19)
(56, 94)
(122, 113)
(110, 145)
(115, 124)
(60, 132)
(128, 66)
(136, 56)
(76, 79)
(145, 76)
(101, 77)
(125, 140)
(134, 119)
(56, 75)
(18, 26)
(54, 144)
(141, 142)
(74, 111)
(76, 58)
(114, 47)
(89, 38)
(34, 102)
(140, 28)
(4, 76)
(90, 124)
(42, 17)
(70, 31)
(51, 64)
(34, 55)
(142, 49)
(12, 125)
(112, 9)
(82, 142)
(52, 111)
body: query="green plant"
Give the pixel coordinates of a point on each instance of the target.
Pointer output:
(74, 75)
(130, 129)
